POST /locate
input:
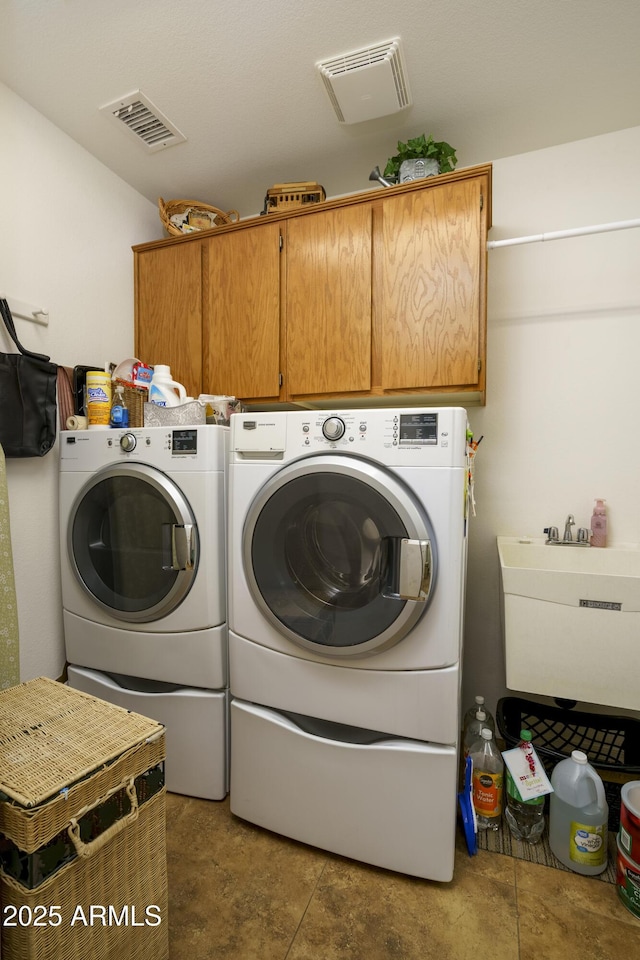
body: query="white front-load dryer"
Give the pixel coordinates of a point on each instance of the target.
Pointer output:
(143, 569)
(347, 561)
(142, 544)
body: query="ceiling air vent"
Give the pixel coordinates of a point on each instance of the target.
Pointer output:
(143, 119)
(367, 83)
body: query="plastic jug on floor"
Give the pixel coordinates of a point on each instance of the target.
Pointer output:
(578, 815)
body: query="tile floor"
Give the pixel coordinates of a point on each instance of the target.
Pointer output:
(237, 892)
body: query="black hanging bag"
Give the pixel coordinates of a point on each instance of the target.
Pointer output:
(27, 398)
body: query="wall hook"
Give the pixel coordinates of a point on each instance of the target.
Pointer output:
(27, 311)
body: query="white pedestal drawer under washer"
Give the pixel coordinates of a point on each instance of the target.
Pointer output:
(347, 560)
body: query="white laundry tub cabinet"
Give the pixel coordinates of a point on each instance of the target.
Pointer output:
(571, 620)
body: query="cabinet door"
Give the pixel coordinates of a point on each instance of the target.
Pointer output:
(429, 302)
(328, 302)
(168, 314)
(242, 326)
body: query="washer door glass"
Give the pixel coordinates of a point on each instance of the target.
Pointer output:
(339, 555)
(133, 542)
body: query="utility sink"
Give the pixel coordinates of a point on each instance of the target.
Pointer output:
(562, 574)
(571, 620)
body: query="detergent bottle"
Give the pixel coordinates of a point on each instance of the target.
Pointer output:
(163, 390)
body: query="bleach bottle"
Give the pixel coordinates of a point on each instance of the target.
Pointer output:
(163, 390)
(578, 815)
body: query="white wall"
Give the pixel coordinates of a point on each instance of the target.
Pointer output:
(67, 225)
(559, 427)
(561, 424)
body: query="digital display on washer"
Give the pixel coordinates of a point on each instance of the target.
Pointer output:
(184, 441)
(417, 429)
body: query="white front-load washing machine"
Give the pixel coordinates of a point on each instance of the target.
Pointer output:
(143, 566)
(347, 564)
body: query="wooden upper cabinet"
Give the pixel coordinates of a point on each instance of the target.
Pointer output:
(377, 295)
(327, 302)
(242, 313)
(429, 293)
(168, 311)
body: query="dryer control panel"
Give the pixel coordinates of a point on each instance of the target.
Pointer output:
(173, 449)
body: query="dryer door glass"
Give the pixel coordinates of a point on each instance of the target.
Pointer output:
(339, 555)
(133, 542)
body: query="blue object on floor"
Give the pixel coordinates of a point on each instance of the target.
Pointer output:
(469, 822)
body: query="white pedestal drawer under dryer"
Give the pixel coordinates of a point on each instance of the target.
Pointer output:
(143, 563)
(347, 564)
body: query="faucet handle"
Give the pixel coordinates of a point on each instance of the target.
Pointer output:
(552, 534)
(583, 535)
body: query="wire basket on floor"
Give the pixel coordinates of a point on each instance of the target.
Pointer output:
(180, 217)
(612, 744)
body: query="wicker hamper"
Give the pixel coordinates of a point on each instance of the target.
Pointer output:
(82, 814)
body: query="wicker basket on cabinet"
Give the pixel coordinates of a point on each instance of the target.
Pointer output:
(197, 216)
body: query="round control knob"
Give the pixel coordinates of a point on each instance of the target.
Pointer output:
(333, 428)
(128, 442)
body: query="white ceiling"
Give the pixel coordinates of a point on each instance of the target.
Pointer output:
(493, 78)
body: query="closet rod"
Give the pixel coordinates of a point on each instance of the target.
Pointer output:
(561, 234)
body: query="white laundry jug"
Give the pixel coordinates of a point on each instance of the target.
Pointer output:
(163, 390)
(578, 815)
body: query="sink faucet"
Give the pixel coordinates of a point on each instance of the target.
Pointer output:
(582, 540)
(568, 536)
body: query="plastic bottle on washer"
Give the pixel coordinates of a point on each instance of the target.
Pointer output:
(487, 775)
(524, 817)
(164, 391)
(119, 416)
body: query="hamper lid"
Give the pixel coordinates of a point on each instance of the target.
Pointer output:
(51, 736)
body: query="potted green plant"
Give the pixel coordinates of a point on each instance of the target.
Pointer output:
(421, 148)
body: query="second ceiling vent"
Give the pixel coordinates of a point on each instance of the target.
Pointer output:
(367, 83)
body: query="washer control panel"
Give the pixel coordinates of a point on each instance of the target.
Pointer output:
(412, 429)
(399, 435)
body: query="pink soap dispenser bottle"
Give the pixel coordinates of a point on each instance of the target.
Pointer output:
(599, 525)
